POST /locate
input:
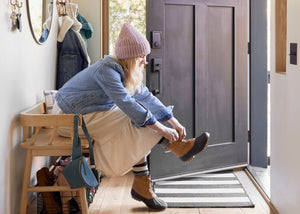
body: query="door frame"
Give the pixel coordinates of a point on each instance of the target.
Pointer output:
(258, 83)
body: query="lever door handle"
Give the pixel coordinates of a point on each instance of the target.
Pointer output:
(156, 68)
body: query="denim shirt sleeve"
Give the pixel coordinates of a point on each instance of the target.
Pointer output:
(159, 110)
(110, 81)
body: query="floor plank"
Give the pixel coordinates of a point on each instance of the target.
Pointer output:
(130, 205)
(113, 197)
(99, 197)
(180, 211)
(221, 211)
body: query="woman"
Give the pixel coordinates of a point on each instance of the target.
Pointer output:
(123, 117)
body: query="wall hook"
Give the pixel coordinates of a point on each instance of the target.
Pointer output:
(19, 4)
(15, 15)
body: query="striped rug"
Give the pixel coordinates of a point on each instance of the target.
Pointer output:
(203, 190)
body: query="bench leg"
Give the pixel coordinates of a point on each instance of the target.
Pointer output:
(83, 202)
(26, 180)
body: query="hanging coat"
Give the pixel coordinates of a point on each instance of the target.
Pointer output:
(72, 56)
(86, 31)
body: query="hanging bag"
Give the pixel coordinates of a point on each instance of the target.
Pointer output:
(78, 172)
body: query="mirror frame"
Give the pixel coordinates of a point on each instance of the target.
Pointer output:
(30, 22)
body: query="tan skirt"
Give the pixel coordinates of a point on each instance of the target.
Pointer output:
(118, 145)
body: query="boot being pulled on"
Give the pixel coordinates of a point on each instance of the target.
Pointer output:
(187, 149)
(142, 191)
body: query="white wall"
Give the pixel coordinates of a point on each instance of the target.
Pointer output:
(26, 68)
(285, 121)
(91, 11)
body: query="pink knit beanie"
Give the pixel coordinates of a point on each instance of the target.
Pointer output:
(131, 43)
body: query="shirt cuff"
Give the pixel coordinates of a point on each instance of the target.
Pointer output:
(150, 121)
(166, 117)
(165, 114)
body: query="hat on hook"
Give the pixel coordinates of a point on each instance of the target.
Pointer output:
(131, 43)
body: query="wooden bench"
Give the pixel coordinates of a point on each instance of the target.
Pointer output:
(40, 140)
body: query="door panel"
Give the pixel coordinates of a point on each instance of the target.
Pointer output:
(179, 61)
(220, 74)
(204, 75)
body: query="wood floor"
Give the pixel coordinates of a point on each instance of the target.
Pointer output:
(113, 197)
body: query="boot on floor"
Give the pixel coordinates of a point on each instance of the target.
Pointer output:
(142, 191)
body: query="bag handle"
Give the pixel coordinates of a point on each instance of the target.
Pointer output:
(77, 150)
(91, 150)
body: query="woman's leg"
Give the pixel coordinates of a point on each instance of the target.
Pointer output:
(141, 168)
(144, 159)
(142, 188)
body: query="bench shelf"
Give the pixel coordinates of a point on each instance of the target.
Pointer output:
(40, 138)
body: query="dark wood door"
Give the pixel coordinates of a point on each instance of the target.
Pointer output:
(199, 65)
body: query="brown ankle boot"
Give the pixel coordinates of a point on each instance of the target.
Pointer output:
(142, 191)
(187, 149)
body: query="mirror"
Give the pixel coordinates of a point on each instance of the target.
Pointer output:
(40, 18)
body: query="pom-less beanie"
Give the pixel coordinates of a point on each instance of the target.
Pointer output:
(131, 43)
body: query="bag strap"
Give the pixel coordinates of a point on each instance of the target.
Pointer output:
(77, 151)
(91, 151)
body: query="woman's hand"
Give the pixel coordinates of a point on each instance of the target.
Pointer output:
(178, 127)
(169, 133)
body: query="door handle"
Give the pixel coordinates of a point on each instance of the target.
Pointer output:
(156, 68)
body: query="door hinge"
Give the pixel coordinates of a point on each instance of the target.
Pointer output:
(249, 48)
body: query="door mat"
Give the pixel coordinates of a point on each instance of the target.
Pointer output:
(222, 189)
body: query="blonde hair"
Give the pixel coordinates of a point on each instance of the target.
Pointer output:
(133, 74)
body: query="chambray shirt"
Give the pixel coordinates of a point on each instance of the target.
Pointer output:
(101, 86)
